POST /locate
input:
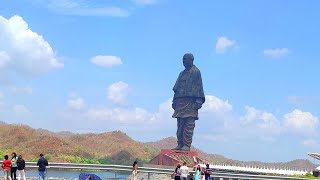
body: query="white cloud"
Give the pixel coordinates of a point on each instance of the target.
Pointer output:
(4, 59)
(83, 8)
(136, 115)
(269, 122)
(106, 61)
(145, 2)
(22, 90)
(301, 122)
(251, 115)
(215, 138)
(214, 104)
(262, 121)
(23, 51)
(311, 143)
(223, 43)
(276, 53)
(217, 111)
(76, 103)
(20, 109)
(118, 92)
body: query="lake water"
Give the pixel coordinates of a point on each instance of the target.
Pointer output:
(75, 174)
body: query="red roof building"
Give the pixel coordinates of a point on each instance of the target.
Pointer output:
(170, 157)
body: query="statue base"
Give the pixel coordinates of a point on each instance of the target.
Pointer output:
(168, 157)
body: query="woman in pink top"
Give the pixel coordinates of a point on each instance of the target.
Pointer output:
(6, 165)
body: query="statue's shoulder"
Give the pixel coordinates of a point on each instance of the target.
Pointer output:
(195, 69)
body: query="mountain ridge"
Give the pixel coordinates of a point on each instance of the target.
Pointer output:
(109, 147)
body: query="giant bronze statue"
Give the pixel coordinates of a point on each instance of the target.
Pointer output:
(188, 99)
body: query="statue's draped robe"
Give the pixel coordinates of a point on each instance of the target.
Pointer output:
(188, 91)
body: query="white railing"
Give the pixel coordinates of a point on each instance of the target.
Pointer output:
(258, 170)
(120, 168)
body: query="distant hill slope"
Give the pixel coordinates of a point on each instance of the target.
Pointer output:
(171, 142)
(110, 147)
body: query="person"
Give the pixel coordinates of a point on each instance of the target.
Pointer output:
(6, 165)
(197, 175)
(202, 175)
(21, 168)
(177, 172)
(191, 176)
(42, 163)
(134, 170)
(188, 99)
(184, 170)
(14, 166)
(208, 172)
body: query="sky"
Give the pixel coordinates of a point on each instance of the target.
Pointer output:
(104, 65)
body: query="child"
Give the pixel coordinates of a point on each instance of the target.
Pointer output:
(6, 165)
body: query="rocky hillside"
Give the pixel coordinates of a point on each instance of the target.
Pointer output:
(110, 147)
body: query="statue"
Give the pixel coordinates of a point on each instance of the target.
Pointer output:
(188, 99)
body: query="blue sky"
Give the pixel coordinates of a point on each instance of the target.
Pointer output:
(104, 65)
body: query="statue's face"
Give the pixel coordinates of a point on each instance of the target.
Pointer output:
(187, 61)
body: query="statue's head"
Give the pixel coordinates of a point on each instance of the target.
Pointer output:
(188, 60)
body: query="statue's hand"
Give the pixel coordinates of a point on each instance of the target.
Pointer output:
(197, 105)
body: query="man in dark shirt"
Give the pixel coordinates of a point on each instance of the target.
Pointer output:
(208, 172)
(42, 163)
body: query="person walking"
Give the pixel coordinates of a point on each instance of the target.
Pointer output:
(42, 163)
(14, 166)
(21, 168)
(184, 171)
(177, 172)
(6, 165)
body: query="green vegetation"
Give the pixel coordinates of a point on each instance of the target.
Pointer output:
(33, 159)
(3, 153)
(78, 159)
(307, 175)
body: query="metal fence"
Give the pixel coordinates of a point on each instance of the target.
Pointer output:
(217, 174)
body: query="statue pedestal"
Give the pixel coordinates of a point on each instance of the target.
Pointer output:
(168, 157)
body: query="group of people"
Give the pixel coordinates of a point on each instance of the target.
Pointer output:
(11, 166)
(182, 172)
(17, 164)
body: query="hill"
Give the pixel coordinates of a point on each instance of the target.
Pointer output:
(111, 147)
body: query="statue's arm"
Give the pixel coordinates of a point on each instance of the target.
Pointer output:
(173, 104)
(198, 103)
(199, 100)
(175, 88)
